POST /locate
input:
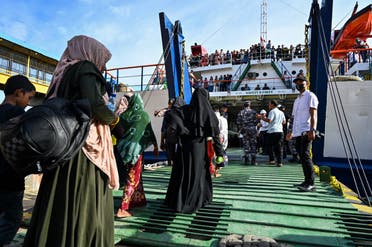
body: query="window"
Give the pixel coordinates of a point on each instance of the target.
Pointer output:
(18, 67)
(4, 63)
(33, 72)
(18, 63)
(48, 77)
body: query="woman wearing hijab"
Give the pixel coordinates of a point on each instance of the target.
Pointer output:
(74, 206)
(169, 138)
(137, 134)
(190, 185)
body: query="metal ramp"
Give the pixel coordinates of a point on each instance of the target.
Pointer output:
(257, 200)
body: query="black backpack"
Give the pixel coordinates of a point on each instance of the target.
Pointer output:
(171, 135)
(45, 136)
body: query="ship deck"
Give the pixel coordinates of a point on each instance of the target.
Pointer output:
(256, 200)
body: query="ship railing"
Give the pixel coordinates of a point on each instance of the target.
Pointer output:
(283, 72)
(351, 61)
(140, 78)
(352, 56)
(239, 75)
(152, 77)
(275, 54)
(282, 54)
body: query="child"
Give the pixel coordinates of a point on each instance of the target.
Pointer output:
(18, 91)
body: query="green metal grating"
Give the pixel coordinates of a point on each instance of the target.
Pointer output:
(257, 200)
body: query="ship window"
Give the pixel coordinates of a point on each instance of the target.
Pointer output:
(294, 72)
(257, 74)
(264, 74)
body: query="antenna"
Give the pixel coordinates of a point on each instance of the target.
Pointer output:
(263, 37)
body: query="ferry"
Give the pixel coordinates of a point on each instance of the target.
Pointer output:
(340, 75)
(252, 205)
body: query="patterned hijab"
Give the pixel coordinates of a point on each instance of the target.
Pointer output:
(138, 132)
(79, 48)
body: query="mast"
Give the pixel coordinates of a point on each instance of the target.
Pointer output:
(263, 34)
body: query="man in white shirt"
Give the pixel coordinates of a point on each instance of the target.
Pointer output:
(262, 133)
(276, 119)
(223, 126)
(304, 129)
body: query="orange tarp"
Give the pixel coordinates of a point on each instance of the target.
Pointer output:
(358, 26)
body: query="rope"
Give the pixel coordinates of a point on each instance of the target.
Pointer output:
(346, 130)
(298, 10)
(341, 21)
(342, 122)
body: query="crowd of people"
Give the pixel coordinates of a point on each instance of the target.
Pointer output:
(220, 83)
(255, 52)
(75, 204)
(276, 134)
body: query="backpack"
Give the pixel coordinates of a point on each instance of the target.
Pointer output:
(45, 136)
(171, 135)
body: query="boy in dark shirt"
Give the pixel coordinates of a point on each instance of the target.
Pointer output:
(18, 91)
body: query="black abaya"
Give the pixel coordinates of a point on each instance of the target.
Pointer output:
(190, 185)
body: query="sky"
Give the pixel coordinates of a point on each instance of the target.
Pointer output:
(130, 28)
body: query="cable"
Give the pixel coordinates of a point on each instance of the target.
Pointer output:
(341, 124)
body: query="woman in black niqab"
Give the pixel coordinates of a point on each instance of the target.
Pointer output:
(190, 185)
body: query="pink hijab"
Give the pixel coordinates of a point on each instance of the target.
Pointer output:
(98, 146)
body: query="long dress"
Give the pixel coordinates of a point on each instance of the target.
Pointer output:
(74, 206)
(190, 184)
(136, 135)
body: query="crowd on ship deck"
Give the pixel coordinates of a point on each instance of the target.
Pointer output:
(255, 52)
(221, 83)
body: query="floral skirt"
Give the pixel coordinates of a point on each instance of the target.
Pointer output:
(134, 194)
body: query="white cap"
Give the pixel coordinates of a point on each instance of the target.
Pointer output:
(262, 111)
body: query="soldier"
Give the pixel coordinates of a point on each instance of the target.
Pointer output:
(247, 122)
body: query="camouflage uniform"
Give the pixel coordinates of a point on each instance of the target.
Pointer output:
(247, 121)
